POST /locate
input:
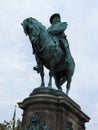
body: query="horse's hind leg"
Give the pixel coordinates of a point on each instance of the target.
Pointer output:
(57, 82)
(63, 80)
(68, 85)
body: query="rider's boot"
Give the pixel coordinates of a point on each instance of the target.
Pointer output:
(36, 68)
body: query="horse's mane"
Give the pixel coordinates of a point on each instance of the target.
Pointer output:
(36, 23)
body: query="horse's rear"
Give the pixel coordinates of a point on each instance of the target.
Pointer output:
(60, 69)
(64, 74)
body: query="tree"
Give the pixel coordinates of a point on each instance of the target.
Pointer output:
(5, 125)
(8, 125)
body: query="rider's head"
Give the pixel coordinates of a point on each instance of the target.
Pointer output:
(55, 18)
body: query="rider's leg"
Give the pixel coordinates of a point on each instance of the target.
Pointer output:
(65, 48)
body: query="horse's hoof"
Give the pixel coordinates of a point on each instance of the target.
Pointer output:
(49, 86)
(66, 93)
(41, 86)
(60, 90)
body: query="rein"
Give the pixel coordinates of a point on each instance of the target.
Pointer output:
(39, 49)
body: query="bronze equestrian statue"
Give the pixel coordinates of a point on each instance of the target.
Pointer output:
(51, 49)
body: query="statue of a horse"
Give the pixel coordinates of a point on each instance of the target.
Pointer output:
(47, 55)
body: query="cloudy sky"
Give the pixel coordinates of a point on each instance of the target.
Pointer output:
(17, 78)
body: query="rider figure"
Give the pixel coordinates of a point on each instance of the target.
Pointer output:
(56, 31)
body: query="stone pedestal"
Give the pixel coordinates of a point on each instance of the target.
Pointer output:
(49, 109)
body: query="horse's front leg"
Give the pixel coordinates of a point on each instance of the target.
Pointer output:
(40, 70)
(51, 73)
(53, 55)
(50, 79)
(42, 76)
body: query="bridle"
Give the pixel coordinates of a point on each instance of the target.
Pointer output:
(33, 34)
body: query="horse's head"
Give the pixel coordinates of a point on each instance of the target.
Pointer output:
(31, 28)
(37, 33)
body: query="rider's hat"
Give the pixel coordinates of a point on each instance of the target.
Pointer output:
(54, 16)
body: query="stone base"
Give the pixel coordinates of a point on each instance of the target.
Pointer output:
(49, 109)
